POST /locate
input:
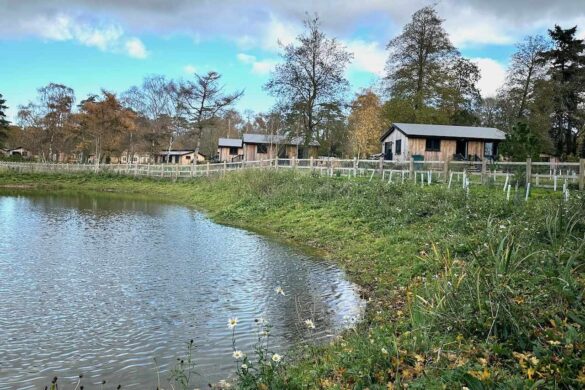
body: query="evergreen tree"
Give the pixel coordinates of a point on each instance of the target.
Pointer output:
(521, 143)
(3, 122)
(566, 62)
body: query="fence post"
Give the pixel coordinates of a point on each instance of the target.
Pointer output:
(381, 165)
(208, 168)
(528, 170)
(224, 167)
(582, 174)
(355, 166)
(483, 170)
(312, 163)
(411, 169)
(446, 168)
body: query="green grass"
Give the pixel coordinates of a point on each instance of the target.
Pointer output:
(463, 291)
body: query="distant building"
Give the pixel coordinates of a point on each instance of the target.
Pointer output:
(230, 149)
(181, 157)
(136, 158)
(18, 152)
(440, 143)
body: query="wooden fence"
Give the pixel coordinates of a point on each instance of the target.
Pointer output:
(536, 174)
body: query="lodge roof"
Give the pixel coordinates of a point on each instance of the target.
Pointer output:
(275, 139)
(445, 131)
(230, 143)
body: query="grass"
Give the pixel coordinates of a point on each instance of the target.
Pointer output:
(464, 291)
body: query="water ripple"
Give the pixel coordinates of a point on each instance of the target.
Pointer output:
(102, 287)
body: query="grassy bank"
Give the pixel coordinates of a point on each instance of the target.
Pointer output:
(464, 291)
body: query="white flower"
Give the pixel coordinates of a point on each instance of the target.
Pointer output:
(244, 366)
(238, 355)
(279, 290)
(384, 351)
(276, 358)
(232, 322)
(310, 324)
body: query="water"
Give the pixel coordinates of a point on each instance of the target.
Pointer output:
(102, 287)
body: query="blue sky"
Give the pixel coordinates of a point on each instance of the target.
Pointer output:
(90, 45)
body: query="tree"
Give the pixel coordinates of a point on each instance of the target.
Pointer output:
(419, 59)
(3, 122)
(200, 102)
(50, 116)
(524, 72)
(459, 97)
(365, 124)
(105, 121)
(56, 101)
(310, 77)
(521, 143)
(154, 103)
(566, 61)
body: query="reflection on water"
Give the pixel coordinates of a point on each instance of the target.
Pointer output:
(102, 286)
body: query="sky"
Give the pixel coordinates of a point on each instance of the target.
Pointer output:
(114, 44)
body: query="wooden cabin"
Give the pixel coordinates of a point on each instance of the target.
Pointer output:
(440, 143)
(136, 158)
(230, 149)
(265, 147)
(181, 157)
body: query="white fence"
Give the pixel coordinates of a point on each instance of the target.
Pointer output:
(537, 174)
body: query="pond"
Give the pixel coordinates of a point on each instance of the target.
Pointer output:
(113, 288)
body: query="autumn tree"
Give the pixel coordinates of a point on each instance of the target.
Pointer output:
(566, 69)
(3, 122)
(310, 77)
(365, 124)
(200, 102)
(106, 122)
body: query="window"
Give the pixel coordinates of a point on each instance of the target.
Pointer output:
(433, 145)
(261, 149)
(398, 146)
(187, 157)
(489, 149)
(233, 151)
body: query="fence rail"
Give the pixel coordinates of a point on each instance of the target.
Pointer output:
(536, 174)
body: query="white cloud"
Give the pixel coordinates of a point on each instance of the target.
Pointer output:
(136, 49)
(189, 69)
(260, 67)
(368, 56)
(493, 75)
(107, 38)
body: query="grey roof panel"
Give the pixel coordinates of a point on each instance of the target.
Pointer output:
(423, 130)
(274, 139)
(230, 142)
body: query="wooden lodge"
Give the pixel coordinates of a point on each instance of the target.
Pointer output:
(257, 147)
(230, 149)
(440, 143)
(180, 157)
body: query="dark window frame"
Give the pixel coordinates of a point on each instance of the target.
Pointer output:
(233, 151)
(433, 144)
(398, 146)
(262, 149)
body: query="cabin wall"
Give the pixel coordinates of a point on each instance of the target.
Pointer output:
(393, 137)
(475, 148)
(224, 153)
(418, 146)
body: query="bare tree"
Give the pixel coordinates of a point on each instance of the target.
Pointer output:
(154, 102)
(524, 72)
(311, 76)
(200, 102)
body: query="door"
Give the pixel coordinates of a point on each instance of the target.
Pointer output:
(461, 149)
(388, 151)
